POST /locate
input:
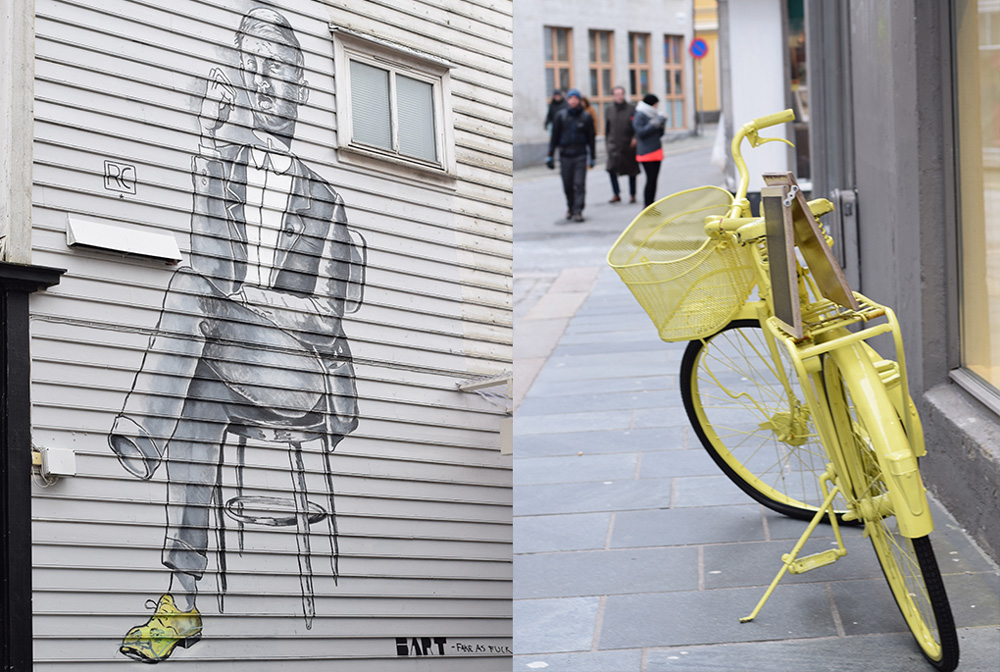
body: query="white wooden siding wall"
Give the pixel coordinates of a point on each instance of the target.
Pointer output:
(423, 494)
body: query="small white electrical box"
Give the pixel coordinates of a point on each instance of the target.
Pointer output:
(58, 462)
(507, 435)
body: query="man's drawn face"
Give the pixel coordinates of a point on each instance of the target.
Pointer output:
(273, 84)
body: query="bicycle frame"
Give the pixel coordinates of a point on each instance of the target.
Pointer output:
(826, 334)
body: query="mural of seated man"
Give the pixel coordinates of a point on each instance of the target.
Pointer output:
(251, 332)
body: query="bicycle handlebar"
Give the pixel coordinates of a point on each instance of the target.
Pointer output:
(749, 130)
(773, 119)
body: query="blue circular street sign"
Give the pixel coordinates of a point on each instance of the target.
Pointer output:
(698, 48)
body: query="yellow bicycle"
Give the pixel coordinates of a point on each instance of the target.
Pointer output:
(782, 388)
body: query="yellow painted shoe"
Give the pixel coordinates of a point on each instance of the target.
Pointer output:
(168, 628)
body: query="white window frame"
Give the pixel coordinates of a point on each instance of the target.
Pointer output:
(350, 46)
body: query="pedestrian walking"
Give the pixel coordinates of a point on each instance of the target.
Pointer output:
(573, 134)
(589, 109)
(556, 103)
(649, 126)
(620, 139)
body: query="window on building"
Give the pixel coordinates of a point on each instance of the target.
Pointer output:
(602, 67)
(558, 60)
(673, 71)
(638, 65)
(392, 105)
(978, 90)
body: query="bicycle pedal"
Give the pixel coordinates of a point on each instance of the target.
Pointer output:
(821, 559)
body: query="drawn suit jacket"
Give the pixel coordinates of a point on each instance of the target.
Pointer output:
(311, 273)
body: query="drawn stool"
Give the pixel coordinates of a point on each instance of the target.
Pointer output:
(297, 510)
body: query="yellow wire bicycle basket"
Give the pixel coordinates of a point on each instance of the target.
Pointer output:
(689, 284)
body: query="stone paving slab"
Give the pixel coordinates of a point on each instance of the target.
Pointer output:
(598, 367)
(555, 625)
(589, 402)
(974, 598)
(618, 466)
(638, 347)
(602, 441)
(605, 572)
(552, 498)
(642, 336)
(667, 416)
(980, 651)
(707, 617)
(681, 527)
(756, 563)
(571, 532)
(701, 491)
(568, 422)
(590, 661)
(544, 338)
(678, 464)
(867, 605)
(608, 386)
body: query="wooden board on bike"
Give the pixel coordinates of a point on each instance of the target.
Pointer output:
(781, 257)
(808, 237)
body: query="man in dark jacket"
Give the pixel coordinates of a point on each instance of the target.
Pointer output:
(573, 134)
(556, 104)
(620, 138)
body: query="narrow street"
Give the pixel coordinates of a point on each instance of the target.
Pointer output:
(633, 553)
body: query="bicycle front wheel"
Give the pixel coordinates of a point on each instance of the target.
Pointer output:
(909, 565)
(759, 432)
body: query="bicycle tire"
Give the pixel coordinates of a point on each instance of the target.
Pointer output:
(742, 436)
(909, 565)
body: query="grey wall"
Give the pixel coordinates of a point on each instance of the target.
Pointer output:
(904, 156)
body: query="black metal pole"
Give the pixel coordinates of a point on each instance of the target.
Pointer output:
(16, 283)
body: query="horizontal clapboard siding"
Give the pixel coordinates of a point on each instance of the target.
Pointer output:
(423, 494)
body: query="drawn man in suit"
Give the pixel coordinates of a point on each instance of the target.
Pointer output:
(251, 332)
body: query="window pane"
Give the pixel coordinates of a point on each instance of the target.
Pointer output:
(678, 89)
(562, 49)
(606, 82)
(632, 87)
(593, 47)
(669, 84)
(644, 81)
(594, 91)
(370, 105)
(678, 113)
(550, 82)
(564, 79)
(631, 47)
(605, 47)
(415, 112)
(978, 61)
(549, 37)
(642, 46)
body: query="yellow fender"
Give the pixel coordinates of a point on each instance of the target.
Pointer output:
(896, 457)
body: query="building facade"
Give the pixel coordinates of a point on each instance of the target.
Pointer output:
(641, 45)
(706, 69)
(276, 241)
(904, 125)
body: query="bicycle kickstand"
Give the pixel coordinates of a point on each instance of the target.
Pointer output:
(796, 565)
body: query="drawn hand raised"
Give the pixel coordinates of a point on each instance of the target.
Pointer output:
(220, 97)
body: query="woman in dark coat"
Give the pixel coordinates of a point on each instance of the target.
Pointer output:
(620, 139)
(649, 126)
